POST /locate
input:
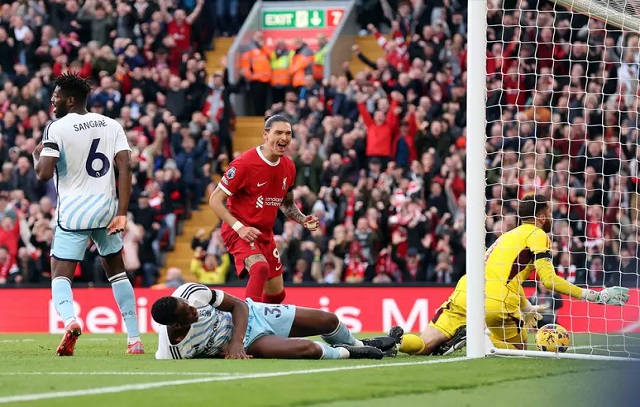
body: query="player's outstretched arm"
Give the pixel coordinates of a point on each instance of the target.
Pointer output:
(548, 277)
(240, 315)
(123, 164)
(290, 209)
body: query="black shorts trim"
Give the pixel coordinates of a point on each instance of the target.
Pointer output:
(69, 260)
(110, 255)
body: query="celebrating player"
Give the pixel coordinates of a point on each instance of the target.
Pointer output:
(198, 323)
(255, 185)
(81, 149)
(509, 261)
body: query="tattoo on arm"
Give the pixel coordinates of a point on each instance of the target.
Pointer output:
(290, 209)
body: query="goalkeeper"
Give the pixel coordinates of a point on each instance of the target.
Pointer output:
(509, 262)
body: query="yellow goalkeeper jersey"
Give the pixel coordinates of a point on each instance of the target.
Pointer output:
(510, 261)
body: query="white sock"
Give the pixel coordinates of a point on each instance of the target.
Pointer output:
(68, 322)
(358, 343)
(344, 353)
(133, 340)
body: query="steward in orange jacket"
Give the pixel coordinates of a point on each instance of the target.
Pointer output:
(301, 63)
(255, 66)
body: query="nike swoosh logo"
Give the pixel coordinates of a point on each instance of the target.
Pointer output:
(259, 184)
(279, 267)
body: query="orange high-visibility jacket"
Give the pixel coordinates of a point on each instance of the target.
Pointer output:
(280, 75)
(301, 65)
(255, 64)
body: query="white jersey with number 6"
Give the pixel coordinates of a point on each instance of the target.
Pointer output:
(86, 146)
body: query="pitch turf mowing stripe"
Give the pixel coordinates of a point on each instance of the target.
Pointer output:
(153, 385)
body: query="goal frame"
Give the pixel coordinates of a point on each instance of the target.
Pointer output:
(478, 343)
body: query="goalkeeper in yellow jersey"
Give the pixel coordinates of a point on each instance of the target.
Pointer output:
(509, 262)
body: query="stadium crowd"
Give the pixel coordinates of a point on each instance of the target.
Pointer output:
(146, 65)
(380, 154)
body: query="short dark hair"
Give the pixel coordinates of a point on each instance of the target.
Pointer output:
(531, 205)
(164, 310)
(269, 121)
(73, 85)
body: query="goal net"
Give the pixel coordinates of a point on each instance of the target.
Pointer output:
(562, 119)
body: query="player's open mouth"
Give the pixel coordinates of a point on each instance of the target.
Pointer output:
(282, 145)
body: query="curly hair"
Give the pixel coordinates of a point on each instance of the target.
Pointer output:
(164, 310)
(73, 85)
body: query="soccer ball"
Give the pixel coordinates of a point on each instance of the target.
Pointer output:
(553, 338)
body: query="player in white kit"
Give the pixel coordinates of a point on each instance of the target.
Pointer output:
(198, 322)
(80, 151)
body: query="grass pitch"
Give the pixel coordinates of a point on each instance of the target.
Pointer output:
(102, 375)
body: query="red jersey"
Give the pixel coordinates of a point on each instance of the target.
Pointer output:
(256, 188)
(181, 34)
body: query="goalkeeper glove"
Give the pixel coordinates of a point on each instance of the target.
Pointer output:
(531, 314)
(608, 296)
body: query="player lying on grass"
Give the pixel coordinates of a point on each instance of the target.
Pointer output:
(509, 262)
(255, 186)
(202, 323)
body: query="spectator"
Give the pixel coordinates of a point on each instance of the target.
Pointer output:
(208, 269)
(8, 267)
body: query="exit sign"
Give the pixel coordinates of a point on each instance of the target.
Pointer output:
(300, 19)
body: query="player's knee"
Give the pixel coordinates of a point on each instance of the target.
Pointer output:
(329, 322)
(309, 350)
(259, 268)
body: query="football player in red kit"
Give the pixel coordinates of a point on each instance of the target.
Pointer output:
(255, 186)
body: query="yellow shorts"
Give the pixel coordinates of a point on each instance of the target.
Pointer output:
(504, 326)
(451, 315)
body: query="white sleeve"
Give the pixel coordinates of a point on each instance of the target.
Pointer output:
(163, 351)
(219, 296)
(194, 293)
(51, 142)
(121, 139)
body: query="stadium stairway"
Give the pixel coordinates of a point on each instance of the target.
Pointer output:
(370, 48)
(182, 254)
(214, 57)
(248, 133)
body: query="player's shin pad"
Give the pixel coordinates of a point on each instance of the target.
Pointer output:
(341, 336)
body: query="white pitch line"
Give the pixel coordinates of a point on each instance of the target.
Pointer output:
(115, 374)
(153, 385)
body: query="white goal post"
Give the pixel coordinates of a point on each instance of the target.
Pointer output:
(576, 101)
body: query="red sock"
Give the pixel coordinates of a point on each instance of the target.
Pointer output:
(258, 274)
(274, 298)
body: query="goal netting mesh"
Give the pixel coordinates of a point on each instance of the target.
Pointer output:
(563, 120)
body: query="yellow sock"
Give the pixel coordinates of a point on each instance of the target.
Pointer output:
(412, 344)
(502, 345)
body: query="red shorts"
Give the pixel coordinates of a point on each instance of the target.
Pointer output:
(241, 250)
